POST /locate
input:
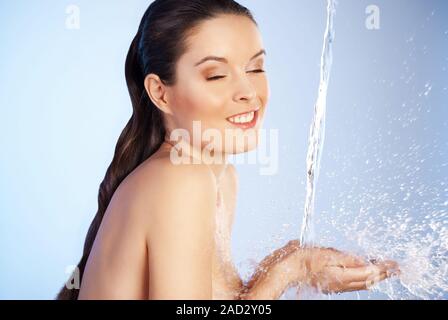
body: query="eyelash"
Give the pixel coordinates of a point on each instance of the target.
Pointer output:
(220, 77)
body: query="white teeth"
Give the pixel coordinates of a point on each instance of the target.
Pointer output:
(245, 118)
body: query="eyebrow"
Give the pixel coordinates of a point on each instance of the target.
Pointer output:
(224, 60)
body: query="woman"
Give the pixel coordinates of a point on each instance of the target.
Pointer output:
(163, 226)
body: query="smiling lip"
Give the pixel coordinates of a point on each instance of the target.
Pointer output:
(245, 125)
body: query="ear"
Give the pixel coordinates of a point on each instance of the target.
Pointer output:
(157, 92)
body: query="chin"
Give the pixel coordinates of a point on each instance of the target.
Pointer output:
(243, 141)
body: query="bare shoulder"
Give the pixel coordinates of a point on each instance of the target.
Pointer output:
(160, 191)
(158, 185)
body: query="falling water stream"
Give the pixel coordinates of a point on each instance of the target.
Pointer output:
(317, 129)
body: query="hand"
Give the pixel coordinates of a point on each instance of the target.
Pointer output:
(333, 271)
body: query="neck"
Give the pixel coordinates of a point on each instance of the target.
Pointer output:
(194, 154)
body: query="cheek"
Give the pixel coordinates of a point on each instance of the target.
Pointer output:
(197, 102)
(263, 90)
(202, 103)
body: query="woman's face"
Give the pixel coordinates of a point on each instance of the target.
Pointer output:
(212, 91)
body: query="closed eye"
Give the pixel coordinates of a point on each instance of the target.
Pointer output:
(215, 78)
(258, 71)
(220, 77)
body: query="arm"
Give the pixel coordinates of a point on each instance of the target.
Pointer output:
(274, 275)
(180, 238)
(326, 269)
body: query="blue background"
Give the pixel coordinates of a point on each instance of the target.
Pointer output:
(64, 102)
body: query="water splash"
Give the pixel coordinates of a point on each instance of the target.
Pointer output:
(418, 242)
(317, 129)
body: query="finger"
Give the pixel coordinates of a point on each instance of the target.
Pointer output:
(349, 260)
(348, 275)
(391, 267)
(367, 284)
(354, 286)
(339, 287)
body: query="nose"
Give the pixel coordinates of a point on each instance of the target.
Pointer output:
(244, 90)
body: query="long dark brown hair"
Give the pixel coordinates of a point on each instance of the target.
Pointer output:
(157, 46)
